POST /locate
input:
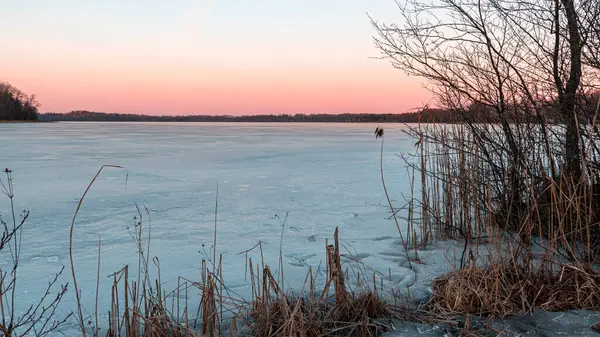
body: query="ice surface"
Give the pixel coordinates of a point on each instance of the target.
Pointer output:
(324, 175)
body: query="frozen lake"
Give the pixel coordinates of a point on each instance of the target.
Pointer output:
(324, 175)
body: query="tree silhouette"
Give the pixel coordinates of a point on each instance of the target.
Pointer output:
(506, 58)
(16, 105)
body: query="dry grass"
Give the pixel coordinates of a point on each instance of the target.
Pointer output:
(502, 289)
(283, 316)
(148, 318)
(309, 314)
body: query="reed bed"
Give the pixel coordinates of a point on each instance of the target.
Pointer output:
(313, 313)
(531, 230)
(144, 309)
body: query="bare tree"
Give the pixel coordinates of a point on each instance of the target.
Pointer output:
(512, 57)
(591, 36)
(516, 73)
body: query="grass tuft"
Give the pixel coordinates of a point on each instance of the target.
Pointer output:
(502, 289)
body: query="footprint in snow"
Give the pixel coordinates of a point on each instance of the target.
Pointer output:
(357, 257)
(300, 260)
(381, 238)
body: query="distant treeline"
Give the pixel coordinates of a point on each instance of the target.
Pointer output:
(429, 115)
(473, 113)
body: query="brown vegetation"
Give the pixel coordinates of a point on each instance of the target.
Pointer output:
(522, 189)
(312, 314)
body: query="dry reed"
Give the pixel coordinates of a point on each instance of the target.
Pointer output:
(276, 314)
(531, 237)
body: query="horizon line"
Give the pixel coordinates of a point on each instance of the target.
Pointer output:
(416, 110)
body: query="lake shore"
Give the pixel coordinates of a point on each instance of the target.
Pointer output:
(22, 122)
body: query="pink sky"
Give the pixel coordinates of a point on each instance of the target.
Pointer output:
(204, 58)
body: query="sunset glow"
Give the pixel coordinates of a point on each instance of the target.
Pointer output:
(203, 57)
